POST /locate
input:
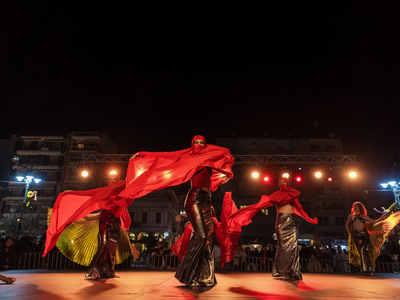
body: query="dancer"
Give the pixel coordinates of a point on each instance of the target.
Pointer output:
(197, 267)
(103, 263)
(91, 238)
(206, 166)
(7, 279)
(366, 236)
(286, 263)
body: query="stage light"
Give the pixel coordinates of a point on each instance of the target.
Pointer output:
(255, 175)
(330, 179)
(384, 185)
(298, 178)
(85, 173)
(318, 174)
(352, 174)
(266, 178)
(113, 172)
(286, 175)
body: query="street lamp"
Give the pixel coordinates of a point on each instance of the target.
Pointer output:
(28, 180)
(396, 192)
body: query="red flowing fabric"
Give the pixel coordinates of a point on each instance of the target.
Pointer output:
(285, 195)
(152, 171)
(74, 205)
(227, 235)
(180, 247)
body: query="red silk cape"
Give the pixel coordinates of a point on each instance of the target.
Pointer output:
(151, 171)
(74, 205)
(227, 234)
(286, 195)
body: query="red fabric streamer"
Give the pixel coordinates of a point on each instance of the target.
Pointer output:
(180, 247)
(286, 195)
(152, 171)
(74, 205)
(228, 234)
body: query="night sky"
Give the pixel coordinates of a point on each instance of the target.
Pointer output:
(154, 77)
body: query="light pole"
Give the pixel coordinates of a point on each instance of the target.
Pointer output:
(28, 180)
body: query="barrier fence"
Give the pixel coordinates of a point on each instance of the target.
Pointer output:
(57, 261)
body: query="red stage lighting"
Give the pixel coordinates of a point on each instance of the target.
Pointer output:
(266, 179)
(330, 179)
(298, 178)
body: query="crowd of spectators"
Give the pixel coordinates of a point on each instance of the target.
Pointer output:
(315, 258)
(11, 249)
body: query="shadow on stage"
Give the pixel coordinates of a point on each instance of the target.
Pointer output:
(195, 290)
(98, 286)
(32, 289)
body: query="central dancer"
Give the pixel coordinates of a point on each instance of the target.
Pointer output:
(197, 267)
(206, 166)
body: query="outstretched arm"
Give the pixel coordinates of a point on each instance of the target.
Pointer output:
(298, 209)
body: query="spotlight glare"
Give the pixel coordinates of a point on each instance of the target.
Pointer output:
(318, 174)
(384, 185)
(85, 173)
(330, 179)
(266, 178)
(255, 174)
(353, 174)
(113, 172)
(286, 175)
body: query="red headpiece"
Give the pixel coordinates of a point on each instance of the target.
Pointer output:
(198, 137)
(197, 148)
(115, 175)
(282, 186)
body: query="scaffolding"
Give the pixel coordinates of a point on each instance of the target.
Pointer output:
(330, 160)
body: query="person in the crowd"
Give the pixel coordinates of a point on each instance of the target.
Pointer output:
(8, 255)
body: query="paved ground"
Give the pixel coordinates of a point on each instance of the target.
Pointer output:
(35, 284)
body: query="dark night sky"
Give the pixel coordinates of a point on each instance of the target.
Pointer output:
(153, 79)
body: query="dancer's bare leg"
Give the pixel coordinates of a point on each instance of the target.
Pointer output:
(7, 279)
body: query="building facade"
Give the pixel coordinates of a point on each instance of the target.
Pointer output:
(55, 159)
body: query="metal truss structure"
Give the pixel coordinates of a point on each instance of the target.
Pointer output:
(331, 160)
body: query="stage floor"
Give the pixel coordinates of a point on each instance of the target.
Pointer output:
(43, 284)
